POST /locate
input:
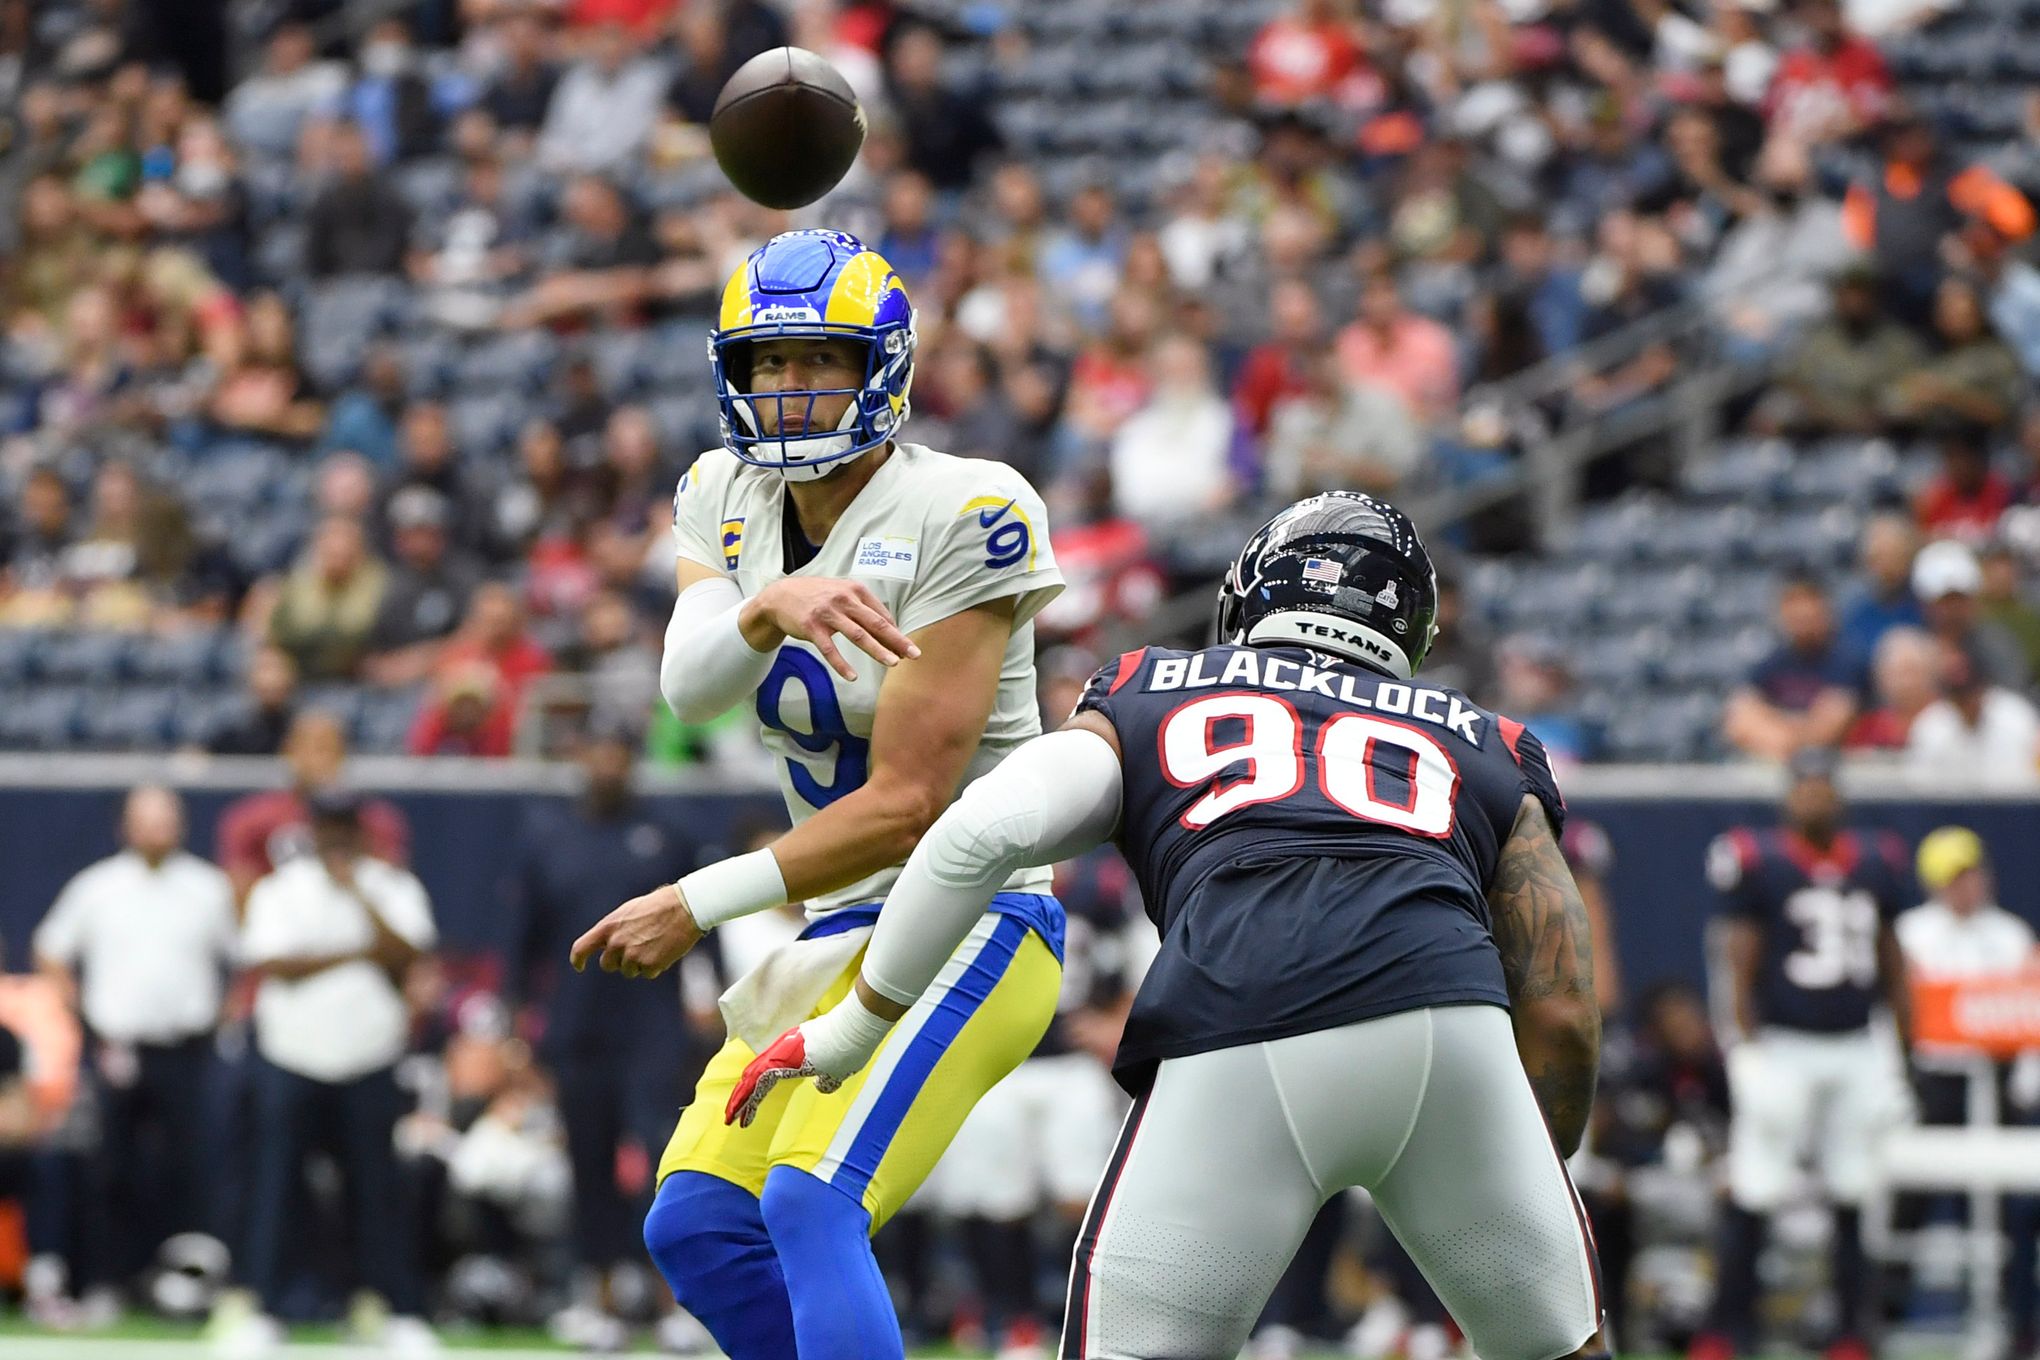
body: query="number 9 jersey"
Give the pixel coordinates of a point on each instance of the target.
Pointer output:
(930, 535)
(1314, 841)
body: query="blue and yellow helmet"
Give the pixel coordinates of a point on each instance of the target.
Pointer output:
(813, 285)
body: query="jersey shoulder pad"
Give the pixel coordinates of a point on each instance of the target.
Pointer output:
(1112, 677)
(1731, 857)
(1528, 752)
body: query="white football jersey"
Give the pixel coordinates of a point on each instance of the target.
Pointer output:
(931, 535)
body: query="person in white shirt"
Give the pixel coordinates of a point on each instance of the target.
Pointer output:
(1978, 732)
(604, 106)
(1169, 460)
(140, 944)
(331, 935)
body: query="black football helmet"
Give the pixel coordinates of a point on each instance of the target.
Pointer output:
(1340, 572)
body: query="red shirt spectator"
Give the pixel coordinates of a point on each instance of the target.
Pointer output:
(1409, 355)
(1966, 497)
(473, 714)
(639, 16)
(1281, 367)
(1836, 85)
(493, 634)
(1302, 56)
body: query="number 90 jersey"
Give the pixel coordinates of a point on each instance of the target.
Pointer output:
(931, 536)
(1820, 911)
(1314, 841)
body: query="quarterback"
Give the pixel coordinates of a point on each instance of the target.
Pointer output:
(812, 523)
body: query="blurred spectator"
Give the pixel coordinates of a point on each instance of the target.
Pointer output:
(1948, 581)
(391, 99)
(602, 265)
(429, 588)
(948, 131)
(1805, 692)
(1169, 459)
(326, 609)
(1839, 377)
(261, 831)
(151, 932)
(620, 1051)
(908, 238)
(603, 107)
(468, 713)
(622, 672)
(1393, 349)
(331, 935)
(1303, 56)
(493, 633)
(1282, 365)
(1833, 87)
(37, 542)
(344, 486)
(1881, 597)
(1080, 264)
(1339, 435)
(1907, 220)
(2004, 602)
(1978, 731)
(2011, 290)
(257, 387)
(1967, 496)
(261, 724)
(267, 109)
(364, 417)
(1204, 239)
(1970, 375)
(978, 418)
(522, 89)
(1534, 685)
(469, 257)
(202, 204)
(430, 462)
(1531, 271)
(1905, 679)
(1766, 276)
(359, 223)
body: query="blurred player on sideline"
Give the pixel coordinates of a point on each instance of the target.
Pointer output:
(1358, 883)
(812, 522)
(1804, 955)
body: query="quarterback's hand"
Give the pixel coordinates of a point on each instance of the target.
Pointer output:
(643, 937)
(784, 1059)
(814, 609)
(830, 1048)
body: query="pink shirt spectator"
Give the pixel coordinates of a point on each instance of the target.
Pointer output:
(1414, 359)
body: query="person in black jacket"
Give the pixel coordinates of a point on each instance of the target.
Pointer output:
(358, 224)
(946, 130)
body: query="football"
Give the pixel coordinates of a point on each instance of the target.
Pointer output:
(786, 128)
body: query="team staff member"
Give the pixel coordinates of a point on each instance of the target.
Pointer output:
(332, 934)
(617, 1048)
(140, 944)
(261, 831)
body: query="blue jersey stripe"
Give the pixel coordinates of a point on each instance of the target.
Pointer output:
(952, 1012)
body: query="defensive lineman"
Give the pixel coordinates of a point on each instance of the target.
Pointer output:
(1358, 884)
(813, 521)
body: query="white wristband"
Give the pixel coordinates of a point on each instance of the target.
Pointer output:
(842, 1039)
(733, 887)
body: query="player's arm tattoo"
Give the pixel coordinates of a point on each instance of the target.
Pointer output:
(1545, 937)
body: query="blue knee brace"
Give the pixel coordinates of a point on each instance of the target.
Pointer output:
(708, 1239)
(841, 1307)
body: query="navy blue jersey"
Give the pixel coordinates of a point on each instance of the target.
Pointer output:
(1820, 913)
(1313, 840)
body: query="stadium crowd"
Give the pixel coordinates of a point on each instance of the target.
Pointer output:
(381, 348)
(352, 353)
